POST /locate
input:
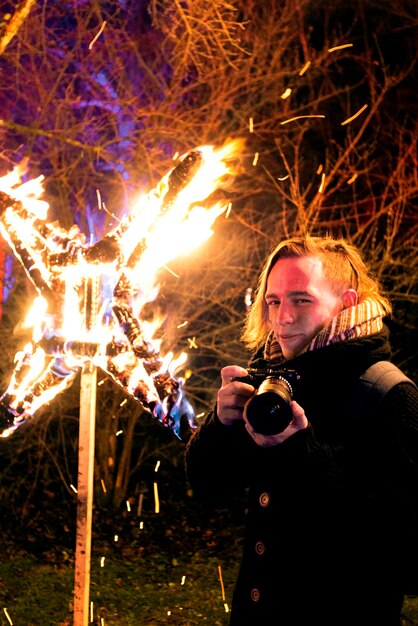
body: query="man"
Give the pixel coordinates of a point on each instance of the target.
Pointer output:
(332, 517)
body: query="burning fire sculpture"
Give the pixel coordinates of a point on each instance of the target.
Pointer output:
(90, 297)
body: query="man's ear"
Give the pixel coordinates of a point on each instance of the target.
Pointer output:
(350, 298)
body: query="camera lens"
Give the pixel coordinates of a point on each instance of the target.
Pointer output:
(268, 411)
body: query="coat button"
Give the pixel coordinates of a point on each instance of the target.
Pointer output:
(264, 499)
(260, 548)
(255, 595)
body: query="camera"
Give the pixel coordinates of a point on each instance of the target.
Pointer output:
(268, 410)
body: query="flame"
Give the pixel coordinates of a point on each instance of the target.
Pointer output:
(27, 193)
(90, 297)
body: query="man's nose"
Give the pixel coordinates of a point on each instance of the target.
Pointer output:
(284, 315)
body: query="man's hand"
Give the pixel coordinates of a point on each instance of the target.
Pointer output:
(299, 422)
(233, 395)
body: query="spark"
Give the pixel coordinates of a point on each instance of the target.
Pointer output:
(123, 402)
(183, 580)
(199, 415)
(228, 210)
(192, 342)
(116, 538)
(172, 272)
(91, 612)
(141, 525)
(128, 505)
(157, 466)
(248, 298)
(183, 324)
(299, 117)
(102, 621)
(304, 68)
(156, 498)
(352, 179)
(140, 502)
(99, 199)
(345, 45)
(222, 583)
(102, 482)
(7, 615)
(251, 125)
(102, 27)
(74, 488)
(176, 155)
(353, 117)
(286, 93)
(282, 178)
(321, 186)
(119, 432)
(319, 170)
(102, 560)
(255, 160)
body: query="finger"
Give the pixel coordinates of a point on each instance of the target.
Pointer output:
(229, 413)
(235, 395)
(261, 440)
(298, 413)
(249, 429)
(230, 372)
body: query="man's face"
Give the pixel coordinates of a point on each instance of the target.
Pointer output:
(300, 302)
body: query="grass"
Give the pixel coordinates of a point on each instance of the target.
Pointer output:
(129, 586)
(187, 591)
(164, 573)
(141, 591)
(136, 592)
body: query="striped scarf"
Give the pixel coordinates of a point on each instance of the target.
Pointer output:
(360, 320)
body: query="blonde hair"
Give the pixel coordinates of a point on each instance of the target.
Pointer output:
(344, 268)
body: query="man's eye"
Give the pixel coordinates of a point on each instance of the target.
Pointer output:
(273, 303)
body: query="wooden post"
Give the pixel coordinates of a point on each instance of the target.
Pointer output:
(85, 488)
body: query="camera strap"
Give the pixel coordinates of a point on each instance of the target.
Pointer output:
(370, 391)
(372, 387)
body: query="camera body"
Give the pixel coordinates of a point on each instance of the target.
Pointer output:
(268, 410)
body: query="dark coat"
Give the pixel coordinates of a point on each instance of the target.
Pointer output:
(331, 528)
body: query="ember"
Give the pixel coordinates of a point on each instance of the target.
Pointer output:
(82, 318)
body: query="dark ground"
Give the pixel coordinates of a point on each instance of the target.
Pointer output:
(158, 569)
(155, 569)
